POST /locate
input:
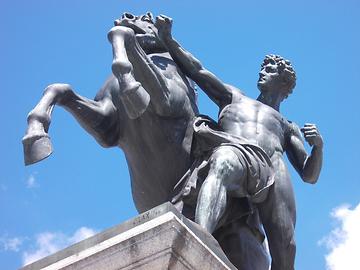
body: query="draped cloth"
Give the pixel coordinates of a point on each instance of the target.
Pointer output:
(208, 138)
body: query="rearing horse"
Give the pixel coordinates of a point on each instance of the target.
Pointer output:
(146, 108)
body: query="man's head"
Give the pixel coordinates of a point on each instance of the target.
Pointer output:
(145, 30)
(276, 74)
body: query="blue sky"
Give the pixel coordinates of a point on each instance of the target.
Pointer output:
(83, 188)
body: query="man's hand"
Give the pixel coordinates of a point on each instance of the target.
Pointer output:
(164, 25)
(312, 135)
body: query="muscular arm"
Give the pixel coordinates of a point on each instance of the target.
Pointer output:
(308, 166)
(193, 69)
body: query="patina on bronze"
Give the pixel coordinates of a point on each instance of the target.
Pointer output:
(229, 170)
(147, 108)
(242, 154)
(144, 107)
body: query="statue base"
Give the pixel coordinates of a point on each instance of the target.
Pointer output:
(160, 238)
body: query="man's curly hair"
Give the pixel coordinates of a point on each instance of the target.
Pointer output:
(285, 69)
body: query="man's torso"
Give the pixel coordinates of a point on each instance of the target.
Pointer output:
(256, 122)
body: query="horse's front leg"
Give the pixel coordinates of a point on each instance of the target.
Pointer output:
(133, 95)
(142, 82)
(99, 118)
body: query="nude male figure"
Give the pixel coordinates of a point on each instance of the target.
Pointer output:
(259, 123)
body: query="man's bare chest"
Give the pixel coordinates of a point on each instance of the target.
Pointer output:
(256, 122)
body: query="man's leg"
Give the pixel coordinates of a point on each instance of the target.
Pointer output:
(242, 247)
(278, 215)
(225, 176)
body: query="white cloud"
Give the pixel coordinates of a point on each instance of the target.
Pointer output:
(11, 244)
(49, 242)
(343, 241)
(81, 234)
(31, 182)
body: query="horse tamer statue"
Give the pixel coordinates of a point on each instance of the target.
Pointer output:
(146, 107)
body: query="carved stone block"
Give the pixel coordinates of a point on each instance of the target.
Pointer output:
(158, 239)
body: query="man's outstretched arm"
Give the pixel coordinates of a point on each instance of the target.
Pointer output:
(192, 67)
(308, 166)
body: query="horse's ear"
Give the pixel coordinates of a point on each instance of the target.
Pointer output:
(150, 15)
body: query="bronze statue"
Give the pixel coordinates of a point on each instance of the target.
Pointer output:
(145, 107)
(242, 155)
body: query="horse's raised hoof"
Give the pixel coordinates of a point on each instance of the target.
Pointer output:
(36, 148)
(120, 31)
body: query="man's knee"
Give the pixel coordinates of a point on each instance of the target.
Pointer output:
(225, 163)
(224, 159)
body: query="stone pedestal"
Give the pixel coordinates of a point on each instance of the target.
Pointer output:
(155, 240)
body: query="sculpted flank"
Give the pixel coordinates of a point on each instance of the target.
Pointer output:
(246, 158)
(144, 107)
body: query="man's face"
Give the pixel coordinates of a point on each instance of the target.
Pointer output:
(271, 80)
(269, 77)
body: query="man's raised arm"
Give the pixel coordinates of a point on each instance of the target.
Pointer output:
(192, 67)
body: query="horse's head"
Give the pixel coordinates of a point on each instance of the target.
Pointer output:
(145, 30)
